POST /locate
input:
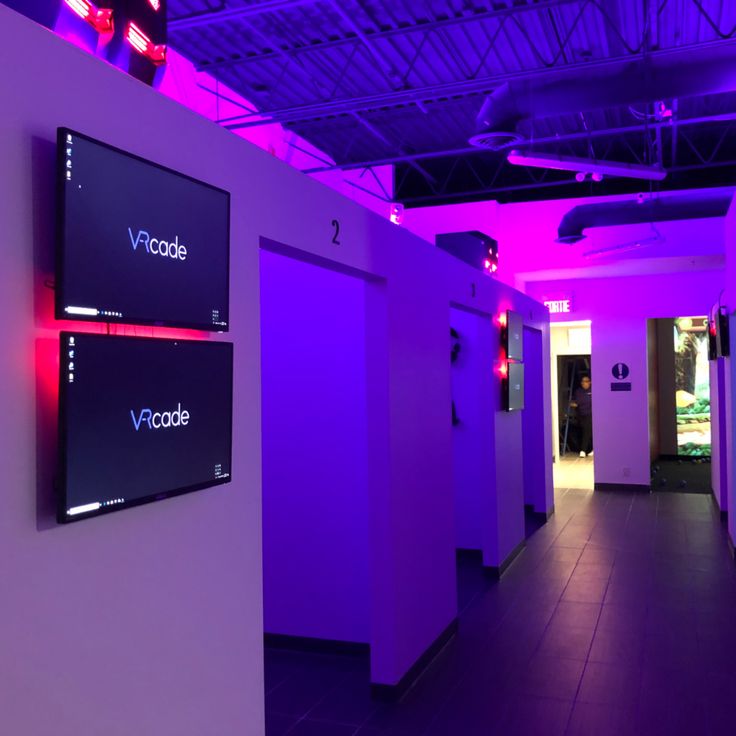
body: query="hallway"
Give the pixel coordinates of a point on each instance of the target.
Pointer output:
(616, 619)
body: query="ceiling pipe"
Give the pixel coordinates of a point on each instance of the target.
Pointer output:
(631, 82)
(640, 210)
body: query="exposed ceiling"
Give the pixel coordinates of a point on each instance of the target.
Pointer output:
(374, 82)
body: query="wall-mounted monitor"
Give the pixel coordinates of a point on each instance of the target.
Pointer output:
(722, 333)
(138, 243)
(140, 419)
(514, 336)
(513, 387)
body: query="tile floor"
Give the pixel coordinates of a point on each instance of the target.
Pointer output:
(618, 618)
(573, 471)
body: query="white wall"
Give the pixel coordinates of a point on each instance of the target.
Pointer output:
(618, 309)
(315, 451)
(472, 386)
(147, 621)
(179, 582)
(534, 419)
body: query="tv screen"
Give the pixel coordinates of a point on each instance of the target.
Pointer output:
(514, 386)
(722, 333)
(514, 336)
(140, 419)
(138, 243)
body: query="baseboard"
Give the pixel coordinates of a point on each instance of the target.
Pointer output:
(541, 515)
(628, 487)
(393, 693)
(722, 512)
(496, 571)
(314, 645)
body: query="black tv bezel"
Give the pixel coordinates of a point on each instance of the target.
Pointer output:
(723, 338)
(515, 316)
(61, 486)
(507, 388)
(59, 313)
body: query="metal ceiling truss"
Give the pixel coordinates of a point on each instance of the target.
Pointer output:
(473, 86)
(380, 72)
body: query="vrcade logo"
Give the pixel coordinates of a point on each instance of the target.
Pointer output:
(160, 419)
(159, 247)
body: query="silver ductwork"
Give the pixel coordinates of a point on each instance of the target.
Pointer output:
(661, 76)
(691, 206)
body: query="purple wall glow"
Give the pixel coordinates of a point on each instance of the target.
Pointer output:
(534, 420)
(719, 430)
(618, 309)
(472, 437)
(729, 299)
(315, 445)
(179, 583)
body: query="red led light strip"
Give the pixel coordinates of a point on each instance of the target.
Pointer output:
(99, 18)
(144, 46)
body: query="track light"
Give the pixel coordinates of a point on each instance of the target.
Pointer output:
(584, 166)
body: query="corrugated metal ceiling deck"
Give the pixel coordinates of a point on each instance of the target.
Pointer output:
(372, 80)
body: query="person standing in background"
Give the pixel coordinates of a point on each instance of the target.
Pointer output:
(583, 402)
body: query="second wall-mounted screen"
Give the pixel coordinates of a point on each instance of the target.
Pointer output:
(138, 243)
(514, 336)
(141, 419)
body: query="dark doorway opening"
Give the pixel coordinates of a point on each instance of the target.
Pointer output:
(570, 369)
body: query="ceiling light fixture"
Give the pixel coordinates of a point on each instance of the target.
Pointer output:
(144, 46)
(597, 169)
(99, 18)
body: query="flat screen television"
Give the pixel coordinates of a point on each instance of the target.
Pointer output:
(140, 420)
(514, 387)
(514, 336)
(138, 243)
(722, 333)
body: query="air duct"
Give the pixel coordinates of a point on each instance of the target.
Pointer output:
(641, 210)
(660, 76)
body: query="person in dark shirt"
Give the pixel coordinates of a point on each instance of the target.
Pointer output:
(583, 402)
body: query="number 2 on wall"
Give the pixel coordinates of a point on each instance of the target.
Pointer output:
(336, 225)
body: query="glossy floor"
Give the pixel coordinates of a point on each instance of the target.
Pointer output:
(572, 471)
(618, 618)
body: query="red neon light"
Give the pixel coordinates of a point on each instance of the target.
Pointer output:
(503, 368)
(502, 319)
(155, 4)
(99, 18)
(144, 46)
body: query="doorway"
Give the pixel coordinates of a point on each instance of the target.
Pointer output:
(571, 405)
(680, 425)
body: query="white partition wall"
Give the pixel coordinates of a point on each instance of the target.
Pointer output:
(151, 618)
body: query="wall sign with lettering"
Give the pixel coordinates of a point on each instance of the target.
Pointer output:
(562, 305)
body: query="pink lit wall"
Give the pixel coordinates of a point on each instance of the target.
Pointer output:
(203, 94)
(527, 234)
(426, 222)
(152, 618)
(619, 309)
